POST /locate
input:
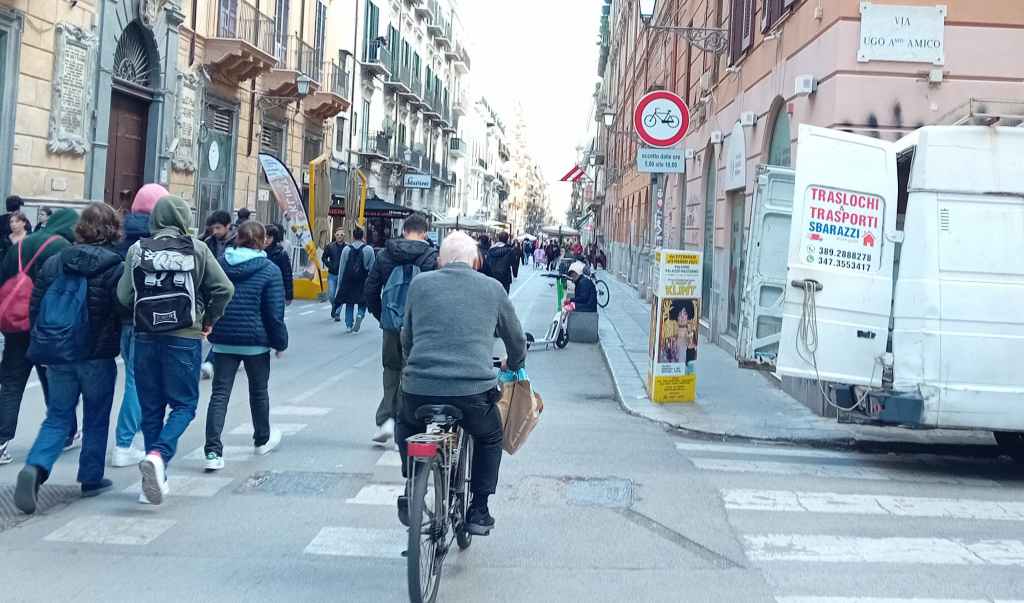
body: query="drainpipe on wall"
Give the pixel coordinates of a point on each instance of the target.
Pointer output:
(252, 94)
(192, 42)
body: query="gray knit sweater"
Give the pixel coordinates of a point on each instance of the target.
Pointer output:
(448, 335)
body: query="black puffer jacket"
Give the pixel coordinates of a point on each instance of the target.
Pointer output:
(398, 252)
(500, 260)
(102, 268)
(276, 254)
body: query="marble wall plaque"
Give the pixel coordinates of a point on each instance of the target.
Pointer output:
(186, 122)
(71, 109)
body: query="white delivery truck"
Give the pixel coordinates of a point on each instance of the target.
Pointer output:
(892, 274)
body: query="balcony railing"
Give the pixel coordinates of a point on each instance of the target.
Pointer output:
(416, 83)
(243, 21)
(457, 147)
(376, 54)
(378, 145)
(337, 79)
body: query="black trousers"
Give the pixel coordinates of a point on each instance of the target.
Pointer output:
(480, 419)
(257, 371)
(15, 369)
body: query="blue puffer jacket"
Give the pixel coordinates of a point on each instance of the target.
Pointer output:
(255, 315)
(136, 226)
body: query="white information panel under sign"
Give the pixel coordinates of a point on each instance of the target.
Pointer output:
(417, 181)
(736, 157)
(660, 161)
(914, 34)
(844, 229)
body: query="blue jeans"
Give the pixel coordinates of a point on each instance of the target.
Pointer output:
(129, 416)
(350, 310)
(94, 381)
(166, 376)
(332, 290)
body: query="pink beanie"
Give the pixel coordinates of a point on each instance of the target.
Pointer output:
(147, 197)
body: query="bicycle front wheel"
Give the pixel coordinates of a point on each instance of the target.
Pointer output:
(603, 294)
(426, 533)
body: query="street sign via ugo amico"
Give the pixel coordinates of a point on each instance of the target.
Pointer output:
(675, 316)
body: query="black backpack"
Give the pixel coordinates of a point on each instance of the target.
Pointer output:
(355, 268)
(165, 292)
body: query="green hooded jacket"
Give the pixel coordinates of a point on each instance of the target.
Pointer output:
(170, 218)
(61, 224)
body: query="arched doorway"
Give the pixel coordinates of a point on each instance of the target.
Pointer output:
(135, 72)
(710, 194)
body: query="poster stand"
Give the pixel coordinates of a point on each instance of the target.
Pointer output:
(675, 312)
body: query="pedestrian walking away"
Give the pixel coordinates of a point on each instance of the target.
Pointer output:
(252, 326)
(331, 258)
(501, 262)
(386, 288)
(178, 291)
(76, 332)
(356, 262)
(136, 227)
(277, 255)
(450, 320)
(20, 268)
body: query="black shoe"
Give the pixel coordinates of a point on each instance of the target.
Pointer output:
(479, 521)
(403, 510)
(27, 490)
(97, 488)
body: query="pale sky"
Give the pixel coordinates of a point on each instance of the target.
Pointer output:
(542, 54)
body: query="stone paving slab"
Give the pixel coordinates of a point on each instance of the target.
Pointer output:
(733, 402)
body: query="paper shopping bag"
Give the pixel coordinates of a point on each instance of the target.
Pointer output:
(520, 409)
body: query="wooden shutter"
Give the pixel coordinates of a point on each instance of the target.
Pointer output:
(736, 30)
(748, 23)
(773, 10)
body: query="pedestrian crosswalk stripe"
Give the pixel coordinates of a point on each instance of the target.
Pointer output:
(299, 411)
(871, 504)
(815, 548)
(378, 494)
(189, 485)
(359, 542)
(768, 451)
(832, 471)
(885, 600)
(101, 529)
(286, 428)
(391, 458)
(230, 453)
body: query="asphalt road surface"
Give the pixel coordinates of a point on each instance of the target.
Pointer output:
(598, 506)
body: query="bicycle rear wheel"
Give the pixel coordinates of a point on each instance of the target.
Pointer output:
(461, 490)
(426, 533)
(604, 295)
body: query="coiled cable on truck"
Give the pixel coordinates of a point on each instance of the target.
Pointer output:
(807, 341)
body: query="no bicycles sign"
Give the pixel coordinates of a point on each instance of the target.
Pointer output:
(661, 118)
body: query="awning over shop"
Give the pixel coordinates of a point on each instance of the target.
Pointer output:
(564, 231)
(461, 223)
(379, 208)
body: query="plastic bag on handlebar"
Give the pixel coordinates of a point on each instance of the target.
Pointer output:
(511, 376)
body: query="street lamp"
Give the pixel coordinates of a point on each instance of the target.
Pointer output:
(711, 39)
(647, 10)
(302, 84)
(609, 117)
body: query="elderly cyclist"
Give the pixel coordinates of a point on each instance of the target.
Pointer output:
(448, 338)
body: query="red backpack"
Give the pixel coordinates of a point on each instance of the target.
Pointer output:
(16, 294)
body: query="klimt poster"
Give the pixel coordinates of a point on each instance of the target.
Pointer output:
(675, 325)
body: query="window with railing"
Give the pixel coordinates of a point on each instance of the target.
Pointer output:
(320, 31)
(281, 30)
(371, 31)
(241, 20)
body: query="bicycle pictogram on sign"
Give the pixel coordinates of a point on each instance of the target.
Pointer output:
(661, 118)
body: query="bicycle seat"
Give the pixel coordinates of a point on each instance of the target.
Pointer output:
(441, 414)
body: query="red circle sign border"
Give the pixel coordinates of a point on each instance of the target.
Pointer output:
(638, 113)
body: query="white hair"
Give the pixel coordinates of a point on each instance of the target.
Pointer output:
(458, 247)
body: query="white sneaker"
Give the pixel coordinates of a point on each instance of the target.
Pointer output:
(154, 479)
(126, 457)
(5, 459)
(144, 500)
(386, 432)
(214, 461)
(275, 439)
(76, 442)
(206, 370)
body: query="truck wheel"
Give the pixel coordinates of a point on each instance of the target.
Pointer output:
(1012, 443)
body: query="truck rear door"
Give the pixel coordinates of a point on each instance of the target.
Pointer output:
(835, 318)
(764, 286)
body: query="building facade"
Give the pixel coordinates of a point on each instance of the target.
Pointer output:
(787, 62)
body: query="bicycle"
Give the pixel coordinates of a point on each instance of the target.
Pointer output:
(604, 294)
(439, 469)
(666, 117)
